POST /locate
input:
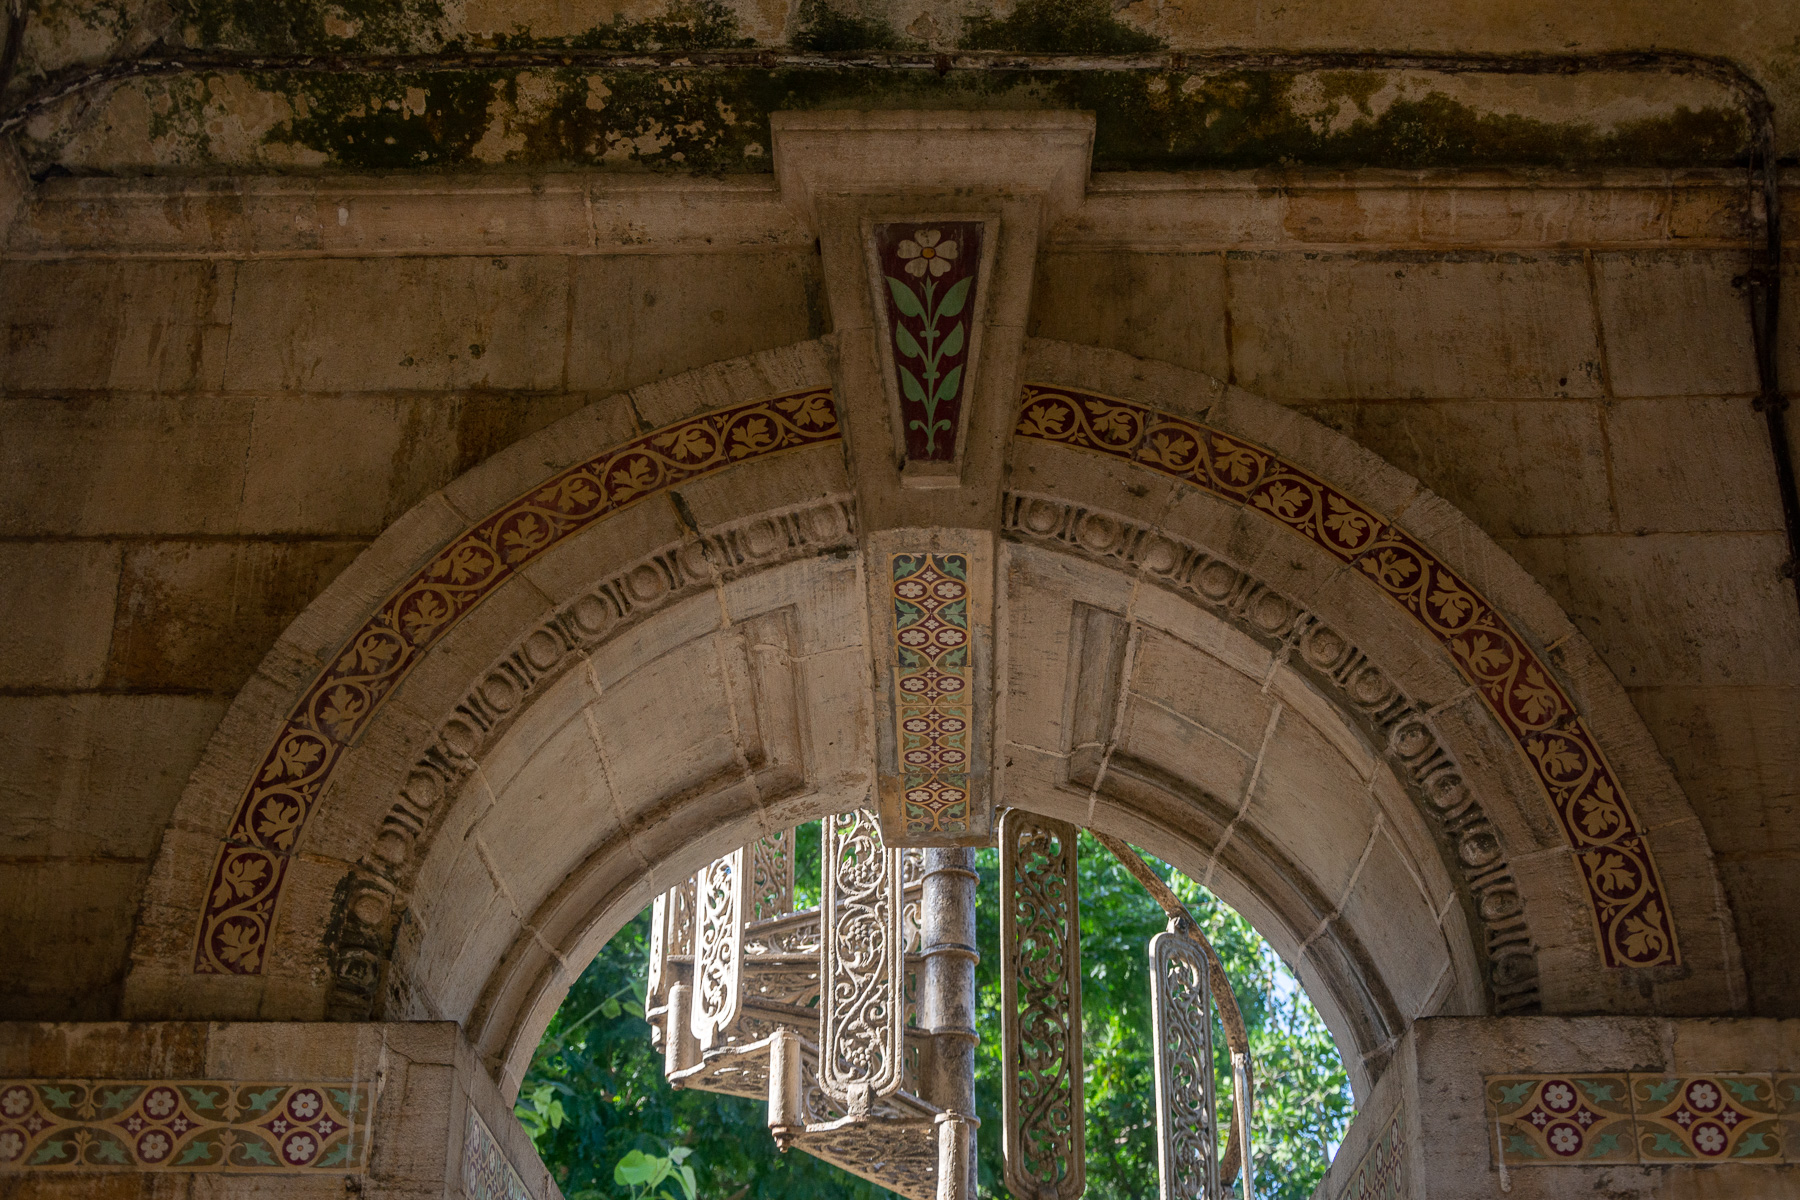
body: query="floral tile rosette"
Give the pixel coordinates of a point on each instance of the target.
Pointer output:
(1544, 1119)
(197, 1125)
(1706, 1118)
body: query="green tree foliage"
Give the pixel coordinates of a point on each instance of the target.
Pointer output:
(595, 1095)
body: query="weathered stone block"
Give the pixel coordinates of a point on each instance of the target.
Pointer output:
(1164, 306)
(58, 598)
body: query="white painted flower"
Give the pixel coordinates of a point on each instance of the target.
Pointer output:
(1565, 1140)
(300, 1148)
(161, 1103)
(1559, 1096)
(1710, 1139)
(305, 1105)
(1703, 1096)
(927, 251)
(11, 1146)
(153, 1147)
(14, 1101)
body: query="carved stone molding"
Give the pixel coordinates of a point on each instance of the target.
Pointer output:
(364, 923)
(1632, 921)
(1366, 694)
(338, 705)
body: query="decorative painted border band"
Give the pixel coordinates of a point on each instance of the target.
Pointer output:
(1381, 1175)
(1625, 893)
(1579, 1119)
(932, 708)
(183, 1125)
(487, 1174)
(252, 862)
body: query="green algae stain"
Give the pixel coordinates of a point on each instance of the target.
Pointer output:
(824, 29)
(386, 123)
(1057, 27)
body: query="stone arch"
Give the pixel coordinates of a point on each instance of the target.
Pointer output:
(733, 596)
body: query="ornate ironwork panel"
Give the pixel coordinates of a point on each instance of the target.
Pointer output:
(1186, 1136)
(862, 1002)
(671, 934)
(1040, 955)
(772, 875)
(718, 947)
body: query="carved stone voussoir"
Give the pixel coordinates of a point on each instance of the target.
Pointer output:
(1366, 694)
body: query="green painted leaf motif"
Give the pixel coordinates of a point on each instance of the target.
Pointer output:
(911, 659)
(1515, 1095)
(258, 1101)
(1518, 1144)
(59, 1097)
(905, 299)
(1665, 1144)
(340, 1153)
(907, 613)
(345, 1099)
(255, 1152)
(1753, 1143)
(910, 385)
(1606, 1143)
(908, 345)
(1599, 1093)
(955, 565)
(118, 1098)
(50, 1152)
(108, 1152)
(1744, 1089)
(1660, 1093)
(955, 298)
(197, 1151)
(906, 564)
(202, 1098)
(956, 612)
(947, 387)
(953, 343)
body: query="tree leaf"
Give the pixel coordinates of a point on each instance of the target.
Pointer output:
(955, 298)
(908, 345)
(905, 299)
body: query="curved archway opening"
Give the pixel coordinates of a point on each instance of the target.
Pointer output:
(594, 1096)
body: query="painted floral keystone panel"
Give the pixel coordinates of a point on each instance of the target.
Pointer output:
(192, 1125)
(932, 695)
(1706, 1118)
(928, 273)
(1543, 1120)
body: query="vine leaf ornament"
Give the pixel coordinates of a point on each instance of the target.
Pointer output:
(1181, 1026)
(861, 970)
(1040, 1008)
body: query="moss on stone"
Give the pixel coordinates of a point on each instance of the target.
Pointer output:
(823, 29)
(1057, 27)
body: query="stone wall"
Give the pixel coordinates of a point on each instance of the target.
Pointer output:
(216, 394)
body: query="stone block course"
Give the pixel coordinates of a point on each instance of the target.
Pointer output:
(199, 616)
(1170, 307)
(1409, 325)
(1674, 325)
(58, 598)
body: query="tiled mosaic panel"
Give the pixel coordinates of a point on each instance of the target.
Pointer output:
(932, 708)
(1564, 1118)
(182, 1125)
(1586, 1119)
(1706, 1118)
(1631, 914)
(928, 276)
(1382, 1173)
(279, 797)
(487, 1175)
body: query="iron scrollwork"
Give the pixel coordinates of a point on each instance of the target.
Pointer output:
(1040, 951)
(861, 1030)
(1186, 1136)
(718, 948)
